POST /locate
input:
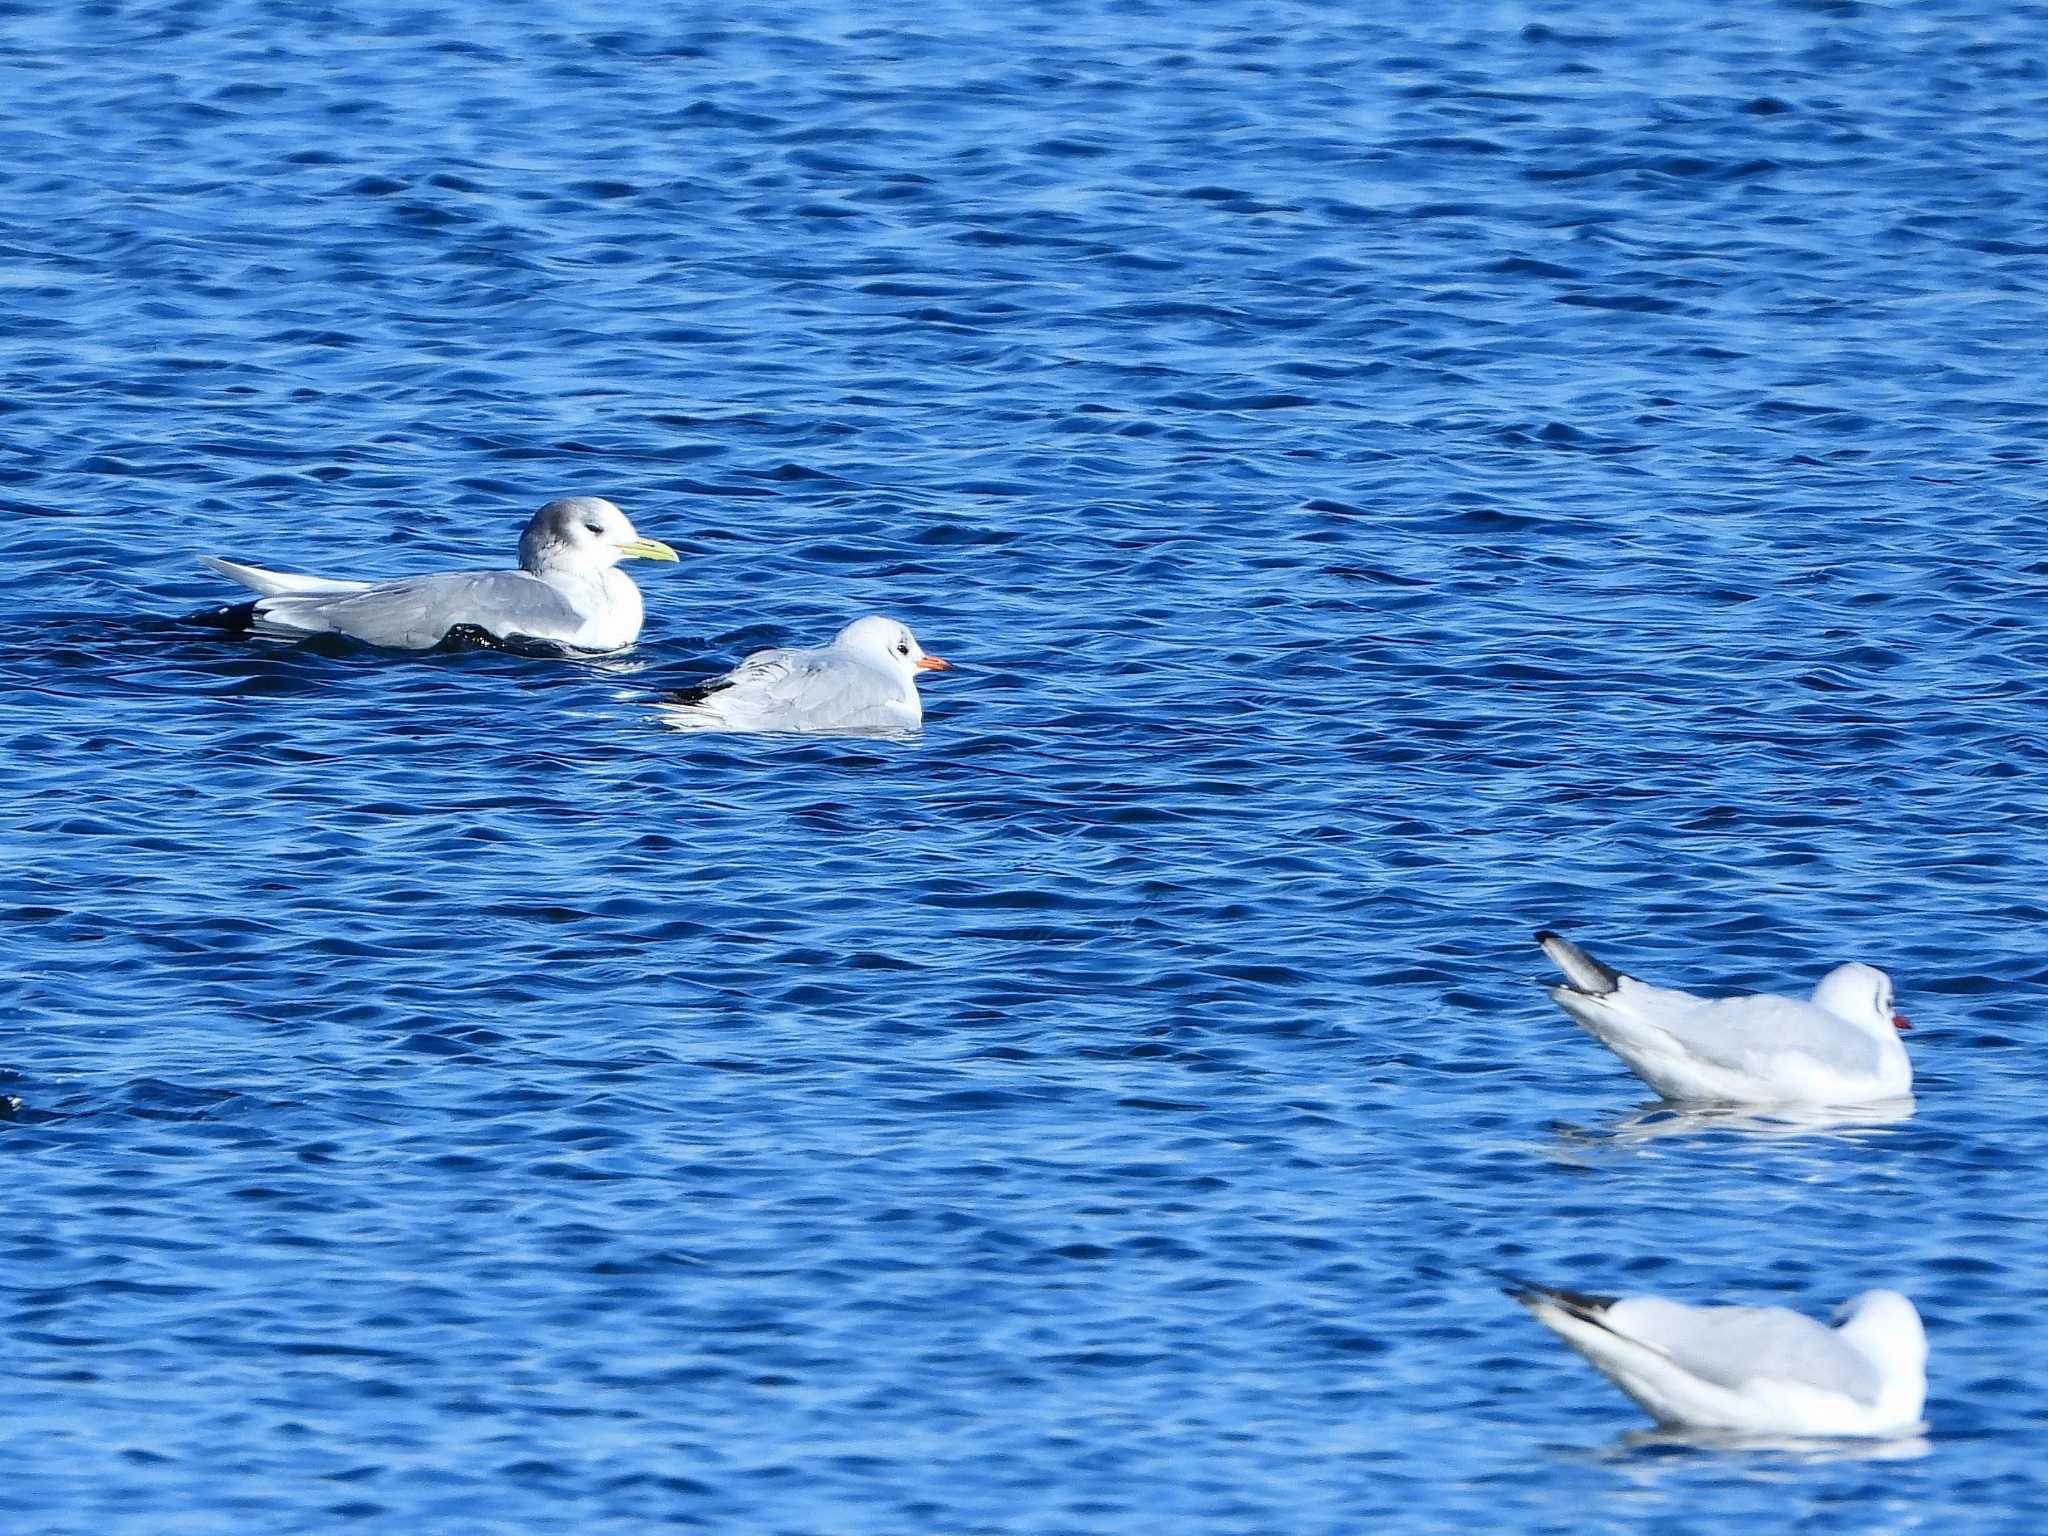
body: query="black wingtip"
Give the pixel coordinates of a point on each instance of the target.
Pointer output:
(684, 697)
(1580, 1303)
(236, 619)
(1581, 970)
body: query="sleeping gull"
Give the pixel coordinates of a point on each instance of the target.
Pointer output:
(1754, 1370)
(1842, 1047)
(565, 593)
(864, 682)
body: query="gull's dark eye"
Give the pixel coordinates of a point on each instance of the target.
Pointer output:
(593, 527)
(902, 650)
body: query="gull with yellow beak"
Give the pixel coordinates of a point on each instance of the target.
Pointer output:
(567, 591)
(863, 683)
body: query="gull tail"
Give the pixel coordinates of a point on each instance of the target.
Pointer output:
(1577, 1303)
(1584, 972)
(279, 583)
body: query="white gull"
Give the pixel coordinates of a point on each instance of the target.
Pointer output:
(566, 592)
(1751, 1370)
(863, 683)
(1840, 1047)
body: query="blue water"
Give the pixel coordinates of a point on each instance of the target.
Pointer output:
(1388, 478)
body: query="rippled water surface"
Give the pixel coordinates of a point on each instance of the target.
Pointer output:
(1388, 477)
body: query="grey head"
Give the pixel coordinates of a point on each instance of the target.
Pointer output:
(584, 534)
(888, 644)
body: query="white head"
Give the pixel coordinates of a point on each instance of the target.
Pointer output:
(1885, 1328)
(583, 533)
(888, 644)
(1862, 994)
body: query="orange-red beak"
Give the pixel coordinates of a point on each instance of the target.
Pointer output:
(1899, 1021)
(933, 664)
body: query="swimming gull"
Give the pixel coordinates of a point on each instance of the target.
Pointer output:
(864, 682)
(565, 593)
(1841, 1047)
(1753, 1370)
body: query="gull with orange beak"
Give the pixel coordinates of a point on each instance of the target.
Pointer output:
(863, 683)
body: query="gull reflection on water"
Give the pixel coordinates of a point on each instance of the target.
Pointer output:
(1646, 1447)
(1655, 1122)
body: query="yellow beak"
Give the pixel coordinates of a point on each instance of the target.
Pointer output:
(647, 549)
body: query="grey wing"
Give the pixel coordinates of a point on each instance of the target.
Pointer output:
(761, 671)
(1747, 1034)
(418, 612)
(800, 685)
(1736, 1346)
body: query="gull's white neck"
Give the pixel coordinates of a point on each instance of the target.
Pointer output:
(611, 605)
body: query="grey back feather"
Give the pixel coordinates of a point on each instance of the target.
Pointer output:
(1734, 1346)
(417, 613)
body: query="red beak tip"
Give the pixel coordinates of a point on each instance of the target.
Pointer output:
(1899, 1022)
